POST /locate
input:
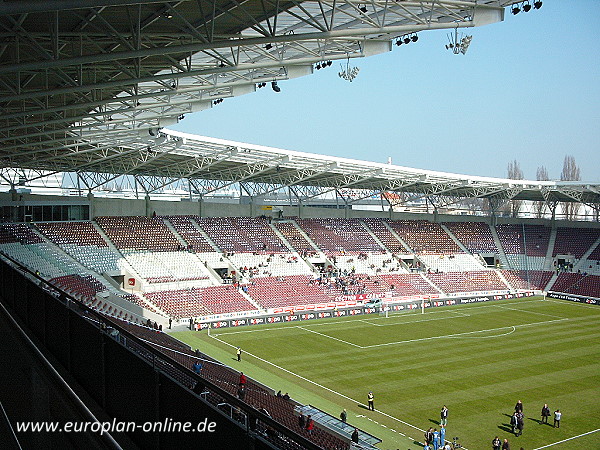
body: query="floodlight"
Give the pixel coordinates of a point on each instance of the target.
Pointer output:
(275, 87)
(363, 8)
(526, 7)
(516, 10)
(537, 4)
(414, 38)
(406, 40)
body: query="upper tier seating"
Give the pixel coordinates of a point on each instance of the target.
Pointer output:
(83, 242)
(139, 233)
(188, 230)
(19, 232)
(514, 239)
(242, 234)
(475, 236)
(44, 258)
(294, 237)
(339, 236)
(77, 233)
(574, 241)
(425, 237)
(379, 229)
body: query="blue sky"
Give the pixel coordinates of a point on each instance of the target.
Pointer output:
(527, 89)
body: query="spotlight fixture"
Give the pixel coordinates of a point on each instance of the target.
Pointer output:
(363, 8)
(329, 63)
(261, 85)
(399, 42)
(181, 117)
(458, 43)
(168, 15)
(406, 40)
(268, 46)
(348, 73)
(414, 38)
(526, 7)
(515, 10)
(217, 101)
(318, 66)
(275, 87)
(537, 4)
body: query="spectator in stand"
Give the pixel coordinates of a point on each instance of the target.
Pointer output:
(302, 420)
(354, 435)
(243, 379)
(241, 393)
(197, 367)
(310, 424)
(170, 323)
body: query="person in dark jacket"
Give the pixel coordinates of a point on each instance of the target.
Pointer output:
(545, 413)
(496, 443)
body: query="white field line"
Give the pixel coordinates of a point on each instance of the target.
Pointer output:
(330, 337)
(567, 302)
(569, 439)
(397, 322)
(462, 334)
(526, 311)
(226, 332)
(369, 323)
(319, 385)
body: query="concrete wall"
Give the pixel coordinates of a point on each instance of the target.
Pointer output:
(102, 206)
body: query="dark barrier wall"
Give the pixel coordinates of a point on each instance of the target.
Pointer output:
(127, 378)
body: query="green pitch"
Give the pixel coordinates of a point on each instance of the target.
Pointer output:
(477, 359)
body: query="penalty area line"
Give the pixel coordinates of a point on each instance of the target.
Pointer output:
(466, 333)
(568, 439)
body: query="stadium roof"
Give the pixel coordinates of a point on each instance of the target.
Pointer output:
(86, 86)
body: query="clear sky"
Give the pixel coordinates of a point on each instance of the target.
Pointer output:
(527, 89)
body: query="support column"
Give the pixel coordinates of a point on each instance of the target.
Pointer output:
(148, 206)
(90, 198)
(201, 206)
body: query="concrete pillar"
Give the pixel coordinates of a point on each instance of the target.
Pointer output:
(148, 206)
(90, 198)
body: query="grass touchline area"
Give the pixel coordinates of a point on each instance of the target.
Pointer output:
(415, 363)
